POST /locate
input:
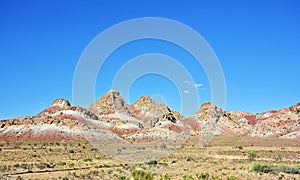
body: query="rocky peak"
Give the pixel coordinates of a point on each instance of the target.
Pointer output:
(148, 107)
(61, 102)
(209, 110)
(295, 108)
(144, 100)
(111, 102)
(208, 105)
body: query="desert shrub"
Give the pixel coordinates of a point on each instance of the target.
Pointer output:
(60, 163)
(142, 175)
(265, 168)
(165, 177)
(152, 162)
(93, 173)
(71, 151)
(24, 166)
(232, 178)
(41, 165)
(123, 178)
(19, 178)
(251, 155)
(215, 178)
(187, 178)
(16, 165)
(202, 176)
(87, 160)
(289, 170)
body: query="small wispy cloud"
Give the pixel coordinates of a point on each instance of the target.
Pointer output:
(186, 92)
(196, 85)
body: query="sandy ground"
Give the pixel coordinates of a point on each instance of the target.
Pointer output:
(226, 157)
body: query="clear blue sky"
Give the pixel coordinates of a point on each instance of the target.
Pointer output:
(257, 43)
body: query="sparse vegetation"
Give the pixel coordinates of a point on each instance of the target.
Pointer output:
(165, 177)
(87, 160)
(187, 177)
(251, 155)
(189, 162)
(267, 168)
(123, 178)
(202, 176)
(232, 178)
(142, 175)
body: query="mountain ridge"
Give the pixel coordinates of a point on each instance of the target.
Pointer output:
(146, 119)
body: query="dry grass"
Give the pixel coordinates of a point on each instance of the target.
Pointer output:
(227, 157)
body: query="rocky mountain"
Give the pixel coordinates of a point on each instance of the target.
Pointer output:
(147, 120)
(112, 109)
(283, 123)
(143, 120)
(59, 121)
(154, 114)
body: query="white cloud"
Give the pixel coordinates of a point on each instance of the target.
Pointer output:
(196, 85)
(186, 92)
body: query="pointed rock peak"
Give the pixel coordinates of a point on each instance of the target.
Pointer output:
(111, 95)
(144, 100)
(295, 108)
(207, 104)
(208, 110)
(61, 103)
(111, 102)
(113, 92)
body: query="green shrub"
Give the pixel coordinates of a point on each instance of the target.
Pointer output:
(215, 178)
(123, 178)
(202, 176)
(265, 168)
(251, 155)
(232, 178)
(187, 178)
(142, 175)
(165, 177)
(87, 160)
